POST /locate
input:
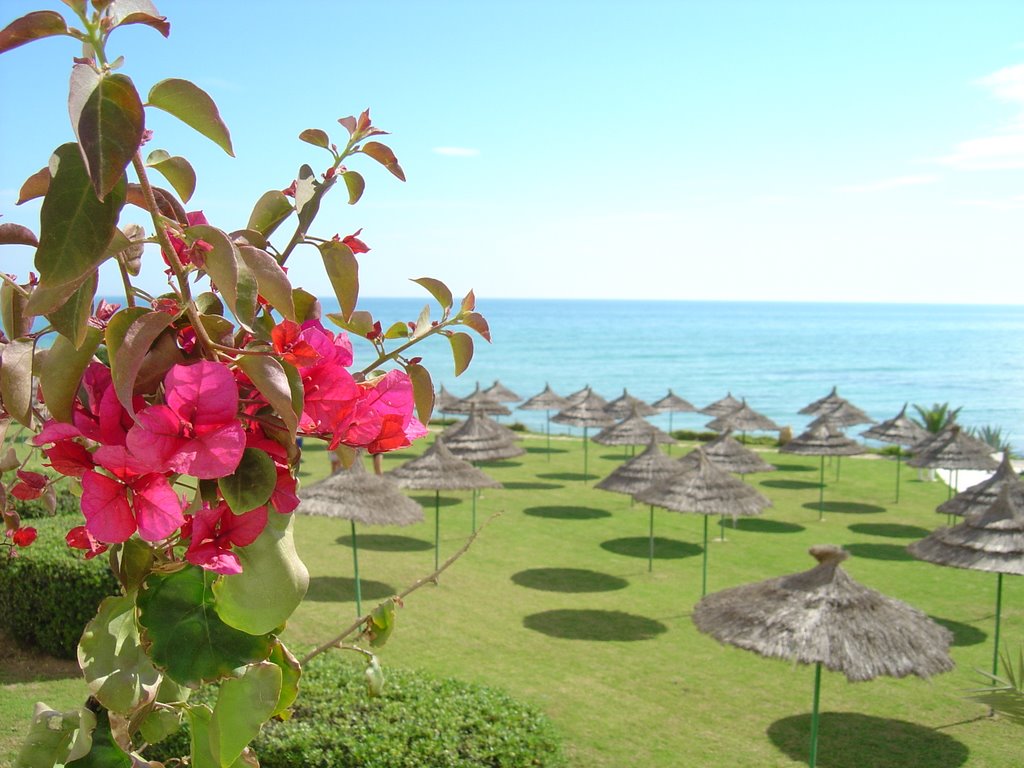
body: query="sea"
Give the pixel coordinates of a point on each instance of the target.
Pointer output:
(778, 356)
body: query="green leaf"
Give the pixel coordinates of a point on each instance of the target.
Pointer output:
(270, 378)
(382, 623)
(130, 334)
(271, 280)
(199, 718)
(355, 185)
(398, 330)
(307, 306)
(162, 356)
(167, 204)
(35, 186)
(72, 318)
(12, 308)
(243, 600)
(75, 229)
(269, 212)
(60, 371)
(186, 636)
(476, 321)
(423, 324)
(422, 391)
(462, 351)
(228, 270)
(194, 107)
(132, 562)
(343, 271)
(16, 380)
(104, 752)
(125, 12)
(374, 676)
(291, 671)
(31, 26)
(251, 483)
(383, 155)
(49, 737)
(243, 704)
(109, 127)
(115, 665)
(316, 137)
(360, 323)
(16, 234)
(438, 290)
(177, 170)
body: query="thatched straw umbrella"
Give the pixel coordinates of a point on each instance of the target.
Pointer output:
(580, 395)
(547, 401)
(722, 406)
(953, 449)
(358, 496)
(672, 403)
(743, 419)
(632, 430)
(501, 393)
(625, 404)
(900, 431)
(824, 617)
(481, 402)
(988, 540)
(445, 400)
(822, 441)
(980, 497)
(438, 470)
(638, 473)
(588, 412)
(826, 403)
(704, 490)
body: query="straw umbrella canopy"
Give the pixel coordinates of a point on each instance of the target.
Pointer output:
(625, 405)
(900, 431)
(638, 473)
(725, 452)
(704, 490)
(822, 441)
(438, 470)
(579, 395)
(744, 419)
(480, 438)
(445, 400)
(546, 400)
(482, 402)
(501, 393)
(954, 449)
(824, 617)
(672, 403)
(588, 412)
(988, 540)
(632, 430)
(983, 495)
(722, 406)
(359, 497)
(843, 414)
(826, 403)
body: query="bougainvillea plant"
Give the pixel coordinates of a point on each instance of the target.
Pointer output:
(177, 416)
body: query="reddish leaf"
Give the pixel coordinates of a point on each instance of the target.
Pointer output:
(194, 107)
(125, 12)
(268, 213)
(462, 351)
(166, 204)
(109, 127)
(177, 170)
(422, 390)
(316, 137)
(130, 334)
(468, 303)
(438, 290)
(383, 155)
(16, 380)
(343, 271)
(32, 26)
(61, 369)
(476, 321)
(15, 234)
(34, 186)
(355, 184)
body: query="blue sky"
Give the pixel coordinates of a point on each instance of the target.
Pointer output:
(811, 151)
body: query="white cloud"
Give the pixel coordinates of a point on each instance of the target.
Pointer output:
(892, 183)
(1006, 84)
(1003, 149)
(457, 151)
(1014, 203)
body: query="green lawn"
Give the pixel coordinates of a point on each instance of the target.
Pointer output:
(554, 603)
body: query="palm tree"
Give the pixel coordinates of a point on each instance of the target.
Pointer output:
(936, 418)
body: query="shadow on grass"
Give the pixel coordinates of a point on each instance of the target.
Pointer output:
(568, 580)
(851, 507)
(791, 485)
(520, 485)
(664, 549)
(963, 634)
(759, 525)
(427, 502)
(577, 476)
(24, 664)
(534, 449)
(567, 513)
(594, 625)
(851, 740)
(879, 551)
(499, 464)
(796, 467)
(386, 542)
(890, 530)
(341, 589)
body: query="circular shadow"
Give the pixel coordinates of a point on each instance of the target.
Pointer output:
(567, 513)
(341, 589)
(851, 740)
(759, 525)
(527, 486)
(851, 507)
(385, 542)
(427, 502)
(639, 546)
(879, 551)
(890, 530)
(594, 625)
(963, 634)
(792, 485)
(534, 449)
(498, 464)
(568, 580)
(796, 467)
(577, 476)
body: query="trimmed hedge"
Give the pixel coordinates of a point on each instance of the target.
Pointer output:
(34, 509)
(418, 721)
(50, 592)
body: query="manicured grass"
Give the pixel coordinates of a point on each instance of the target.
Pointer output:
(554, 604)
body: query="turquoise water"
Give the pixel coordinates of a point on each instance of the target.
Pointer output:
(778, 356)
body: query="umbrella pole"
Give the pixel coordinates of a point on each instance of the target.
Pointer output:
(899, 461)
(999, 607)
(437, 527)
(821, 491)
(650, 544)
(814, 716)
(704, 574)
(670, 432)
(474, 510)
(355, 562)
(547, 418)
(584, 455)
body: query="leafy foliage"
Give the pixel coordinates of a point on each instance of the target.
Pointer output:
(993, 436)
(936, 418)
(1005, 694)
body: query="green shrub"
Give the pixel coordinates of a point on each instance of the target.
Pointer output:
(50, 592)
(418, 721)
(33, 509)
(518, 426)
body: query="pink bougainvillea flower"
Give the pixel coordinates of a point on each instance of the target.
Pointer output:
(194, 253)
(80, 538)
(292, 348)
(111, 516)
(215, 531)
(24, 537)
(69, 458)
(100, 416)
(383, 417)
(197, 432)
(332, 348)
(354, 243)
(30, 485)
